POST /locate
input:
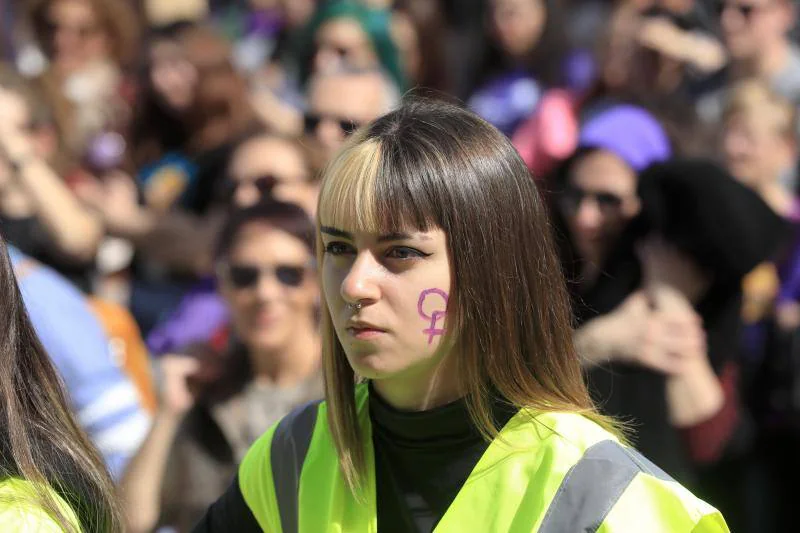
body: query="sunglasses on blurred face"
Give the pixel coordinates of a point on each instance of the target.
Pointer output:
(264, 185)
(745, 10)
(311, 122)
(83, 31)
(573, 197)
(248, 276)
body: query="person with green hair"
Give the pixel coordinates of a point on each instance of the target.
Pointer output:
(347, 33)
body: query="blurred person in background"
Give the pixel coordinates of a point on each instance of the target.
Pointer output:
(181, 179)
(659, 331)
(420, 34)
(756, 36)
(89, 44)
(760, 150)
(216, 404)
(760, 143)
(524, 58)
(52, 477)
(38, 212)
(642, 59)
(760, 134)
(341, 35)
(339, 103)
(345, 33)
(159, 132)
(262, 166)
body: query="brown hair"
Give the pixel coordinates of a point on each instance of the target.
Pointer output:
(434, 165)
(119, 20)
(40, 440)
(754, 98)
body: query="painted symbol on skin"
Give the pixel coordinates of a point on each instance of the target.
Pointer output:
(426, 296)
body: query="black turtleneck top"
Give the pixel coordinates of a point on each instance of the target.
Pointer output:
(422, 460)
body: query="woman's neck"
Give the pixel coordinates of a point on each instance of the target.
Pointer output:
(288, 366)
(421, 389)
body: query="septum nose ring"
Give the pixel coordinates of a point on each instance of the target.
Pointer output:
(355, 307)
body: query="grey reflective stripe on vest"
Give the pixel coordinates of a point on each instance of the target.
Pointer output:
(593, 485)
(288, 451)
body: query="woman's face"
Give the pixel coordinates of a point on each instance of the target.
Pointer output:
(518, 24)
(402, 282)
(77, 36)
(343, 42)
(270, 287)
(599, 201)
(172, 76)
(755, 152)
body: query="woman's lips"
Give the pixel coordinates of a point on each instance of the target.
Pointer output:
(364, 333)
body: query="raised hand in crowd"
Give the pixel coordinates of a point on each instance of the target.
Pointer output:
(35, 189)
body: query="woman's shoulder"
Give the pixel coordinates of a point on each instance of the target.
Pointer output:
(20, 509)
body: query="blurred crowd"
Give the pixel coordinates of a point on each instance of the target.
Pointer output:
(159, 165)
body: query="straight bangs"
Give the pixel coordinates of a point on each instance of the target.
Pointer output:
(365, 189)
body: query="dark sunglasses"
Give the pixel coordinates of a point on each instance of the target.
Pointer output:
(247, 276)
(573, 197)
(264, 185)
(311, 122)
(745, 10)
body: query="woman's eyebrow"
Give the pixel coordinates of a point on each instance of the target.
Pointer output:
(335, 232)
(393, 236)
(401, 236)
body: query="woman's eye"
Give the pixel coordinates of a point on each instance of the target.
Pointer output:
(402, 252)
(338, 248)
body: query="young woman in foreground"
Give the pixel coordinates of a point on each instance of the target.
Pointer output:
(454, 397)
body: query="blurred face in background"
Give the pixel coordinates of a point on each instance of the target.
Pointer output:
(748, 26)
(756, 151)
(16, 110)
(172, 75)
(271, 166)
(77, 35)
(599, 201)
(297, 12)
(343, 42)
(338, 105)
(407, 39)
(518, 24)
(270, 287)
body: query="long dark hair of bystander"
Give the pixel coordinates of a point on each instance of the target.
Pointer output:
(40, 441)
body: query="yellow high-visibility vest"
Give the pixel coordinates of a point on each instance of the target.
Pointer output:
(546, 473)
(20, 509)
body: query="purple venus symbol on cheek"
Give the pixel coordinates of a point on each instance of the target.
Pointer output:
(439, 311)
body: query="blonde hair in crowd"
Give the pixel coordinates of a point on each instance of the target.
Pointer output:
(754, 100)
(427, 165)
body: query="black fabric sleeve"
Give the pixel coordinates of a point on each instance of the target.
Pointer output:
(229, 513)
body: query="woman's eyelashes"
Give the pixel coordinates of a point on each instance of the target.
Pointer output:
(404, 253)
(400, 253)
(339, 248)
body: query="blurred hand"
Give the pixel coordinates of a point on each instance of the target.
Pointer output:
(703, 52)
(176, 396)
(666, 340)
(116, 198)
